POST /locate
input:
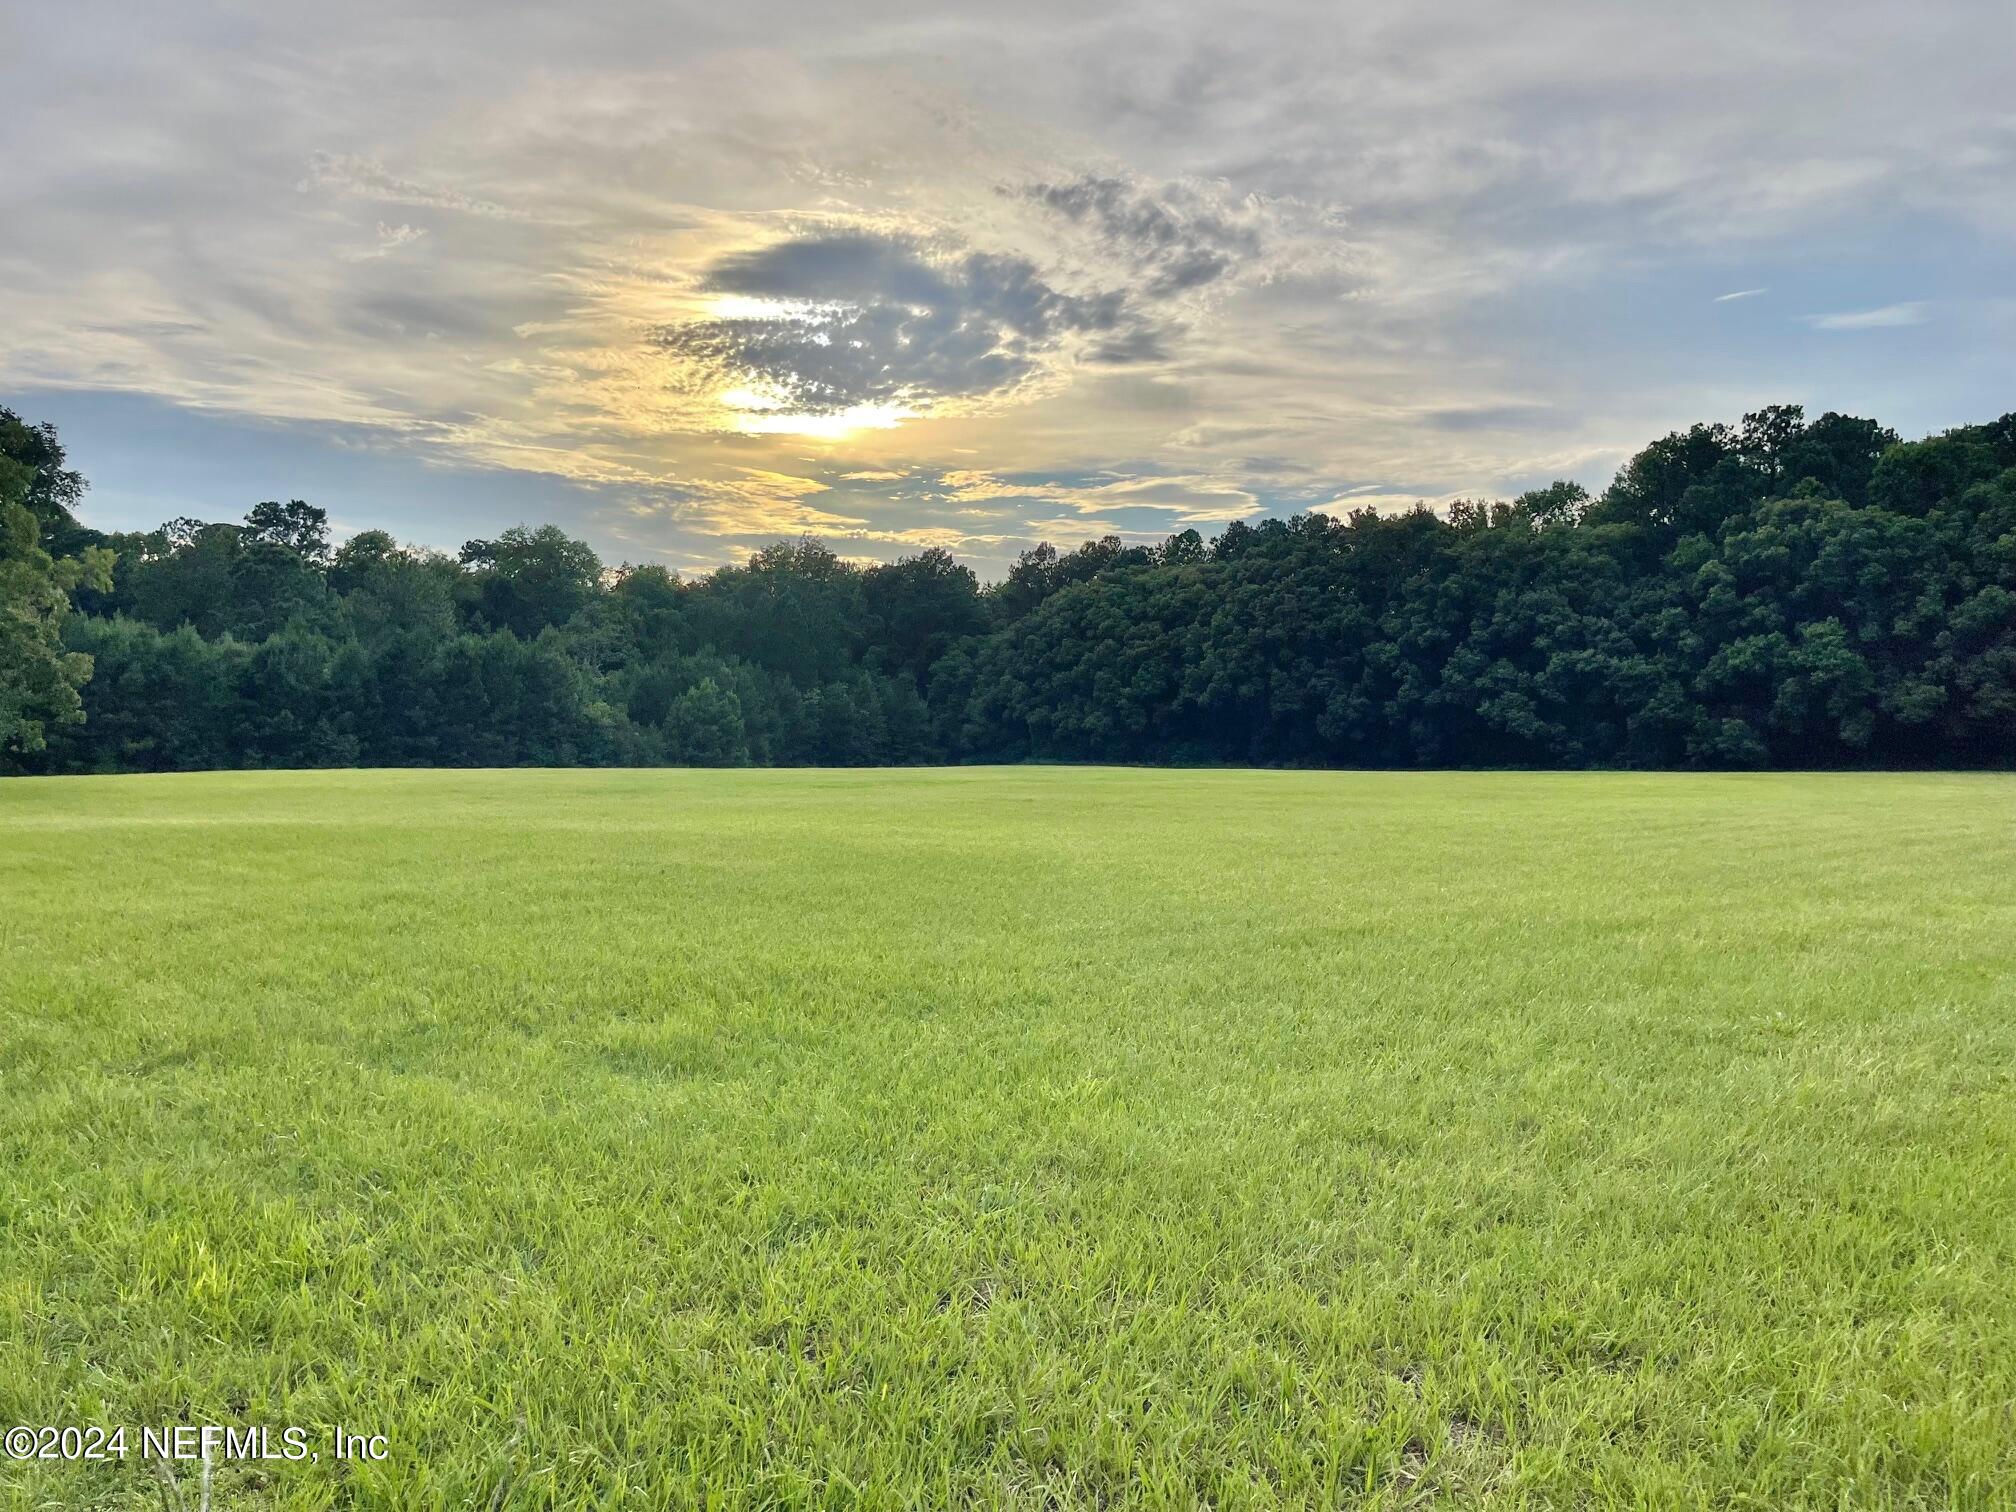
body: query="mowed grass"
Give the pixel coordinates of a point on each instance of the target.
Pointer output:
(1017, 1137)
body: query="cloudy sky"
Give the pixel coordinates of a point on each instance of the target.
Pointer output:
(684, 279)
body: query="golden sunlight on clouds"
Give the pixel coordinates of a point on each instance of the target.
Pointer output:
(759, 411)
(834, 427)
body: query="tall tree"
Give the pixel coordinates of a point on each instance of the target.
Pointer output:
(526, 580)
(919, 606)
(294, 526)
(48, 489)
(39, 678)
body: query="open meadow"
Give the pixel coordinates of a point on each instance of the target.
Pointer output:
(1033, 1137)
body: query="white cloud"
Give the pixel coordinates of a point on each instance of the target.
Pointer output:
(1740, 294)
(1194, 499)
(390, 240)
(1910, 313)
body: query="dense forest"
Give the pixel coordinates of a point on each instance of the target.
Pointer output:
(1775, 593)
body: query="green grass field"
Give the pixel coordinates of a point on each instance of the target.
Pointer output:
(1033, 1137)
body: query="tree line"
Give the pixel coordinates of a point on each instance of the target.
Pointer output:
(1775, 593)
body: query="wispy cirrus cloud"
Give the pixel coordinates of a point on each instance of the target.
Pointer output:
(1189, 498)
(368, 179)
(758, 503)
(1909, 313)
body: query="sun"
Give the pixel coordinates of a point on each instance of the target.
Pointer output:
(757, 412)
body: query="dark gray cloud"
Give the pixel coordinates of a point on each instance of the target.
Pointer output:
(1177, 242)
(876, 319)
(1139, 343)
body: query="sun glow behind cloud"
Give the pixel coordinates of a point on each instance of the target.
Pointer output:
(756, 416)
(753, 307)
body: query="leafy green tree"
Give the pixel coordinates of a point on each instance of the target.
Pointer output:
(294, 526)
(1837, 452)
(183, 574)
(794, 609)
(1916, 477)
(1651, 489)
(1766, 439)
(1041, 571)
(272, 587)
(650, 605)
(388, 590)
(157, 701)
(39, 677)
(42, 483)
(704, 726)
(1559, 503)
(527, 580)
(918, 606)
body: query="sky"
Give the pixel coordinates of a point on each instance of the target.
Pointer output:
(686, 279)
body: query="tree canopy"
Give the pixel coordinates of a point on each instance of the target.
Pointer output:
(1776, 592)
(39, 676)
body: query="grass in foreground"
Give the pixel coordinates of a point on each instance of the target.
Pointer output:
(1045, 1137)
